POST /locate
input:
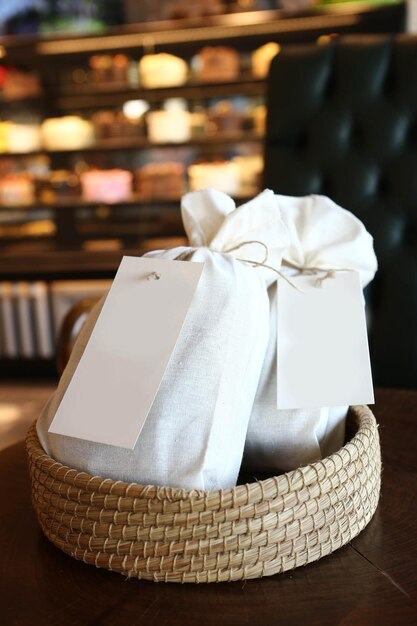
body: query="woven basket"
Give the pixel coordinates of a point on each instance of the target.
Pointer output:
(175, 535)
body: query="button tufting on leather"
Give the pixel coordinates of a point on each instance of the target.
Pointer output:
(342, 120)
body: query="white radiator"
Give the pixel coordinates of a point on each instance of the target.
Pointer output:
(26, 327)
(31, 314)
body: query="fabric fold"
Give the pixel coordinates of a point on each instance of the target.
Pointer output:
(322, 236)
(253, 232)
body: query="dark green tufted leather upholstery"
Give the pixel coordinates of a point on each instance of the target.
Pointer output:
(342, 121)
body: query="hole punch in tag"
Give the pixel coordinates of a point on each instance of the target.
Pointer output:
(322, 345)
(121, 369)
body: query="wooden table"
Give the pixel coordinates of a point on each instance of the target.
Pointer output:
(371, 581)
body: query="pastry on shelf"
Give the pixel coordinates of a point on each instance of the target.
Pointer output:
(114, 124)
(259, 118)
(162, 70)
(169, 125)
(101, 68)
(17, 85)
(250, 173)
(108, 186)
(224, 117)
(70, 132)
(22, 138)
(38, 166)
(106, 68)
(104, 124)
(198, 121)
(262, 57)
(4, 134)
(120, 68)
(59, 185)
(217, 63)
(16, 190)
(161, 181)
(221, 175)
(19, 138)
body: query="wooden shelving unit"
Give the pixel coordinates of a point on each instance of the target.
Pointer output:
(142, 143)
(54, 57)
(140, 222)
(85, 96)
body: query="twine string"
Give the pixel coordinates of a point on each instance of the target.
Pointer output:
(322, 273)
(328, 272)
(273, 269)
(184, 255)
(246, 243)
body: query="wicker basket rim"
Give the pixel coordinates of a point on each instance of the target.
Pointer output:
(361, 415)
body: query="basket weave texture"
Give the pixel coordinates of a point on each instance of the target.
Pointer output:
(176, 535)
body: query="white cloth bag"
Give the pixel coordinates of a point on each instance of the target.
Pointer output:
(195, 432)
(322, 236)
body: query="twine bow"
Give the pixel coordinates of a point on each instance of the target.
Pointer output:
(187, 253)
(328, 273)
(311, 271)
(261, 263)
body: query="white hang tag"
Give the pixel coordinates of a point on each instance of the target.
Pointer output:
(119, 374)
(322, 352)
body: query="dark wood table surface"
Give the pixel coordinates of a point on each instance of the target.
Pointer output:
(373, 580)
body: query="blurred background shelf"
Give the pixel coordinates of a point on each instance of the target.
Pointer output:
(64, 263)
(253, 25)
(141, 143)
(75, 241)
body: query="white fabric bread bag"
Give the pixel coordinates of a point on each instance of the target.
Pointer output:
(322, 236)
(194, 434)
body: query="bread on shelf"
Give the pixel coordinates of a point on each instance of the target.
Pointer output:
(115, 125)
(17, 189)
(221, 175)
(70, 132)
(162, 70)
(106, 68)
(250, 173)
(18, 85)
(22, 138)
(162, 181)
(217, 63)
(262, 57)
(172, 126)
(224, 117)
(59, 185)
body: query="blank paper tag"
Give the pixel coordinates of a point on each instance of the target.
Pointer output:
(118, 376)
(323, 356)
